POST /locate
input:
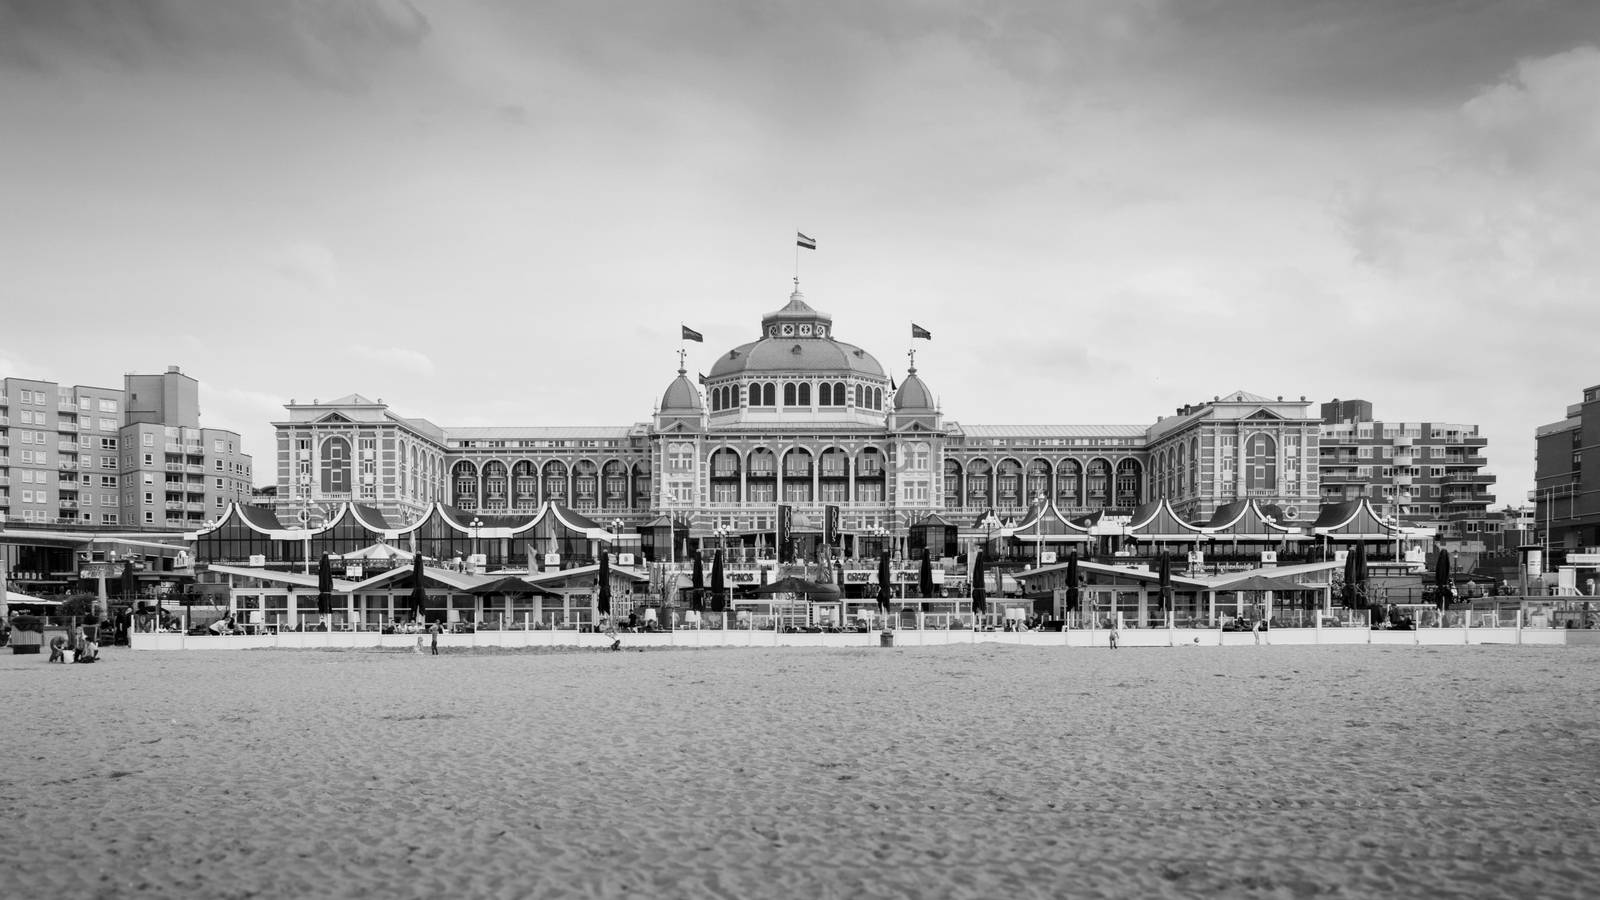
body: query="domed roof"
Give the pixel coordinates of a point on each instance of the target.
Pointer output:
(913, 395)
(796, 355)
(681, 396)
(797, 339)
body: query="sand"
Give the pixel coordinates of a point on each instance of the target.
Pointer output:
(964, 771)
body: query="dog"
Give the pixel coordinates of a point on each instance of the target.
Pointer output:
(58, 649)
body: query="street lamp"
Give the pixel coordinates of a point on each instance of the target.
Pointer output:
(476, 525)
(1400, 499)
(1038, 539)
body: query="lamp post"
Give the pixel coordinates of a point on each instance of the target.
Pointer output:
(1038, 537)
(1400, 499)
(477, 527)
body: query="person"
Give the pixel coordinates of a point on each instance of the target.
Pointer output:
(1114, 634)
(58, 649)
(1259, 628)
(416, 629)
(611, 632)
(433, 632)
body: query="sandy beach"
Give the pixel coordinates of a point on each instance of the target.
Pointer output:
(964, 771)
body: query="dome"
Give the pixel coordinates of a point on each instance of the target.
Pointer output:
(797, 339)
(681, 396)
(796, 355)
(913, 395)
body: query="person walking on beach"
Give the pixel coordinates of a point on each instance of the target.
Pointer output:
(1260, 629)
(1113, 634)
(433, 632)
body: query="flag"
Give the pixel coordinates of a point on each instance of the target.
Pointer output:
(891, 384)
(689, 334)
(702, 377)
(803, 241)
(917, 331)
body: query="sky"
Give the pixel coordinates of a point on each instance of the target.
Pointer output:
(488, 212)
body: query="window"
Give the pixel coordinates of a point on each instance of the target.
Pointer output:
(788, 394)
(805, 394)
(108, 424)
(149, 497)
(148, 439)
(108, 406)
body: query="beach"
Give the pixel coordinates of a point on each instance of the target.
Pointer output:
(960, 771)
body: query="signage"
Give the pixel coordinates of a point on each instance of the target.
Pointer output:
(1535, 562)
(98, 570)
(478, 559)
(1583, 559)
(1047, 558)
(745, 576)
(352, 572)
(1197, 558)
(624, 559)
(258, 560)
(1269, 557)
(552, 559)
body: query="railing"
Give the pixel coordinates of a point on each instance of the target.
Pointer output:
(66, 426)
(66, 466)
(68, 504)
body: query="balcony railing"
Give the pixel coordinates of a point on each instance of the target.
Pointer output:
(66, 426)
(66, 466)
(68, 504)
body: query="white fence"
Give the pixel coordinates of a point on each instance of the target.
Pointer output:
(910, 637)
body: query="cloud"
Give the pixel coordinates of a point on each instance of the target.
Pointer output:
(401, 359)
(332, 43)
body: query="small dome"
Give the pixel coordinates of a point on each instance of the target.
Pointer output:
(913, 395)
(681, 396)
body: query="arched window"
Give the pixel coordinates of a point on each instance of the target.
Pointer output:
(824, 394)
(1261, 472)
(1068, 473)
(805, 394)
(838, 394)
(861, 396)
(555, 481)
(769, 395)
(788, 394)
(1194, 465)
(465, 476)
(877, 398)
(336, 464)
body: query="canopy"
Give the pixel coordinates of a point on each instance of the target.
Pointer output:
(24, 599)
(376, 551)
(792, 585)
(1265, 583)
(512, 586)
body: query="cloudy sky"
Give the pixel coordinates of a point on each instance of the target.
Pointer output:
(500, 212)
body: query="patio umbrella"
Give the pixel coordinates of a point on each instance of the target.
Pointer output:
(512, 586)
(1072, 581)
(1164, 582)
(719, 595)
(1348, 595)
(324, 586)
(1441, 579)
(1362, 599)
(925, 576)
(697, 584)
(603, 595)
(130, 582)
(980, 597)
(885, 593)
(419, 595)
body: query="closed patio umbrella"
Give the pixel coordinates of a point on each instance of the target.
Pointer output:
(1072, 581)
(1164, 582)
(603, 595)
(925, 576)
(719, 591)
(1441, 579)
(419, 594)
(697, 584)
(885, 592)
(324, 586)
(130, 582)
(980, 597)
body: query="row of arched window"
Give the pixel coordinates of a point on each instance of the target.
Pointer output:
(524, 484)
(1008, 484)
(795, 394)
(341, 470)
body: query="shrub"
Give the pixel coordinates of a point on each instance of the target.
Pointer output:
(28, 623)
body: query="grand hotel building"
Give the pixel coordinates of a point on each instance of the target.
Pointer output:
(799, 417)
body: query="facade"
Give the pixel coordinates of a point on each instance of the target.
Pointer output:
(1433, 471)
(798, 418)
(1566, 477)
(134, 457)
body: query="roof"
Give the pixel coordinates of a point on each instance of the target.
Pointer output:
(681, 396)
(293, 579)
(1052, 431)
(1245, 397)
(1353, 518)
(1156, 520)
(913, 394)
(534, 433)
(802, 355)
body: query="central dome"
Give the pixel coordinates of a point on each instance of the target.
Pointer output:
(797, 339)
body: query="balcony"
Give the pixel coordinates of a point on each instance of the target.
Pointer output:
(196, 449)
(67, 406)
(4, 441)
(66, 465)
(5, 420)
(174, 448)
(195, 470)
(66, 426)
(68, 504)
(194, 507)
